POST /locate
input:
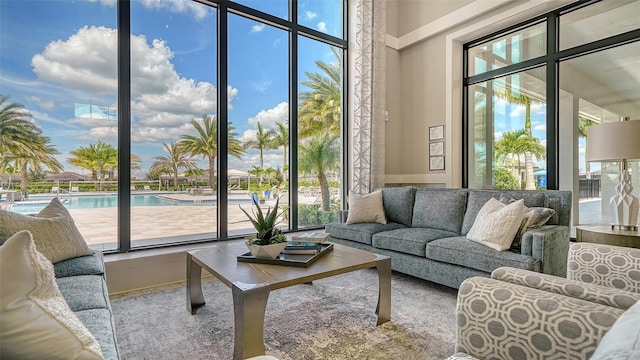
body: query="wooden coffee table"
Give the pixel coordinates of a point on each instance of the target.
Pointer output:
(251, 283)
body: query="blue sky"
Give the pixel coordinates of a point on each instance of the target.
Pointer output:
(58, 58)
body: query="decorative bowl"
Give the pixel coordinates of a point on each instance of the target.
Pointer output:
(270, 251)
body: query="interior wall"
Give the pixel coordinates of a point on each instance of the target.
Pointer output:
(428, 52)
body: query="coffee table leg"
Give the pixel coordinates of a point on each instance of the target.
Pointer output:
(195, 298)
(249, 304)
(384, 290)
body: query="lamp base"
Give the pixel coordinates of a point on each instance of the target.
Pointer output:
(624, 227)
(623, 205)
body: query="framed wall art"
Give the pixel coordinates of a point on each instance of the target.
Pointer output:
(436, 148)
(436, 133)
(436, 163)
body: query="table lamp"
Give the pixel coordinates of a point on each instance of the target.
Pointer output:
(618, 142)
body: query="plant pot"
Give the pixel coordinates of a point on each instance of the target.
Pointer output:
(270, 251)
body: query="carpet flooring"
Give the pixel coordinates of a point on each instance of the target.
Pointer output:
(332, 318)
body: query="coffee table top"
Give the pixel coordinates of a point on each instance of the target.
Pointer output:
(221, 260)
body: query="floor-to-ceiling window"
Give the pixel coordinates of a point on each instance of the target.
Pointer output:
(103, 81)
(533, 89)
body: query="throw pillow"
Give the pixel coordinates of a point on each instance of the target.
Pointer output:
(35, 320)
(622, 341)
(53, 230)
(496, 224)
(366, 208)
(534, 217)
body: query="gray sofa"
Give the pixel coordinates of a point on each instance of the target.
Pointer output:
(82, 282)
(425, 234)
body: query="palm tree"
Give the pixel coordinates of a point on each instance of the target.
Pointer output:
(281, 138)
(319, 156)
(257, 172)
(177, 157)
(263, 141)
(510, 146)
(583, 124)
(40, 152)
(17, 132)
(516, 143)
(525, 101)
(319, 110)
(100, 159)
(205, 143)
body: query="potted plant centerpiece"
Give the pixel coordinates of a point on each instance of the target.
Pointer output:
(269, 241)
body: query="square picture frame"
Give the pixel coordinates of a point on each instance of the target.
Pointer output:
(436, 132)
(436, 148)
(436, 163)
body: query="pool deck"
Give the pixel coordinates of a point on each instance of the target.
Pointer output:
(193, 217)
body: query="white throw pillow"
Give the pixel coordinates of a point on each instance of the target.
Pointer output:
(53, 230)
(35, 320)
(366, 208)
(497, 224)
(622, 341)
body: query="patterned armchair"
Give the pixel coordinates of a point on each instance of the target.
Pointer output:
(519, 314)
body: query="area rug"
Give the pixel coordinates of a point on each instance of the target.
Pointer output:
(331, 318)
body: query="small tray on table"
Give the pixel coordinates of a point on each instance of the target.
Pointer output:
(298, 260)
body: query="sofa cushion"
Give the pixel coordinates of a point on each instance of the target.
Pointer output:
(461, 251)
(622, 341)
(101, 324)
(477, 199)
(497, 224)
(398, 204)
(366, 208)
(84, 292)
(409, 240)
(53, 230)
(361, 232)
(82, 265)
(35, 320)
(439, 209)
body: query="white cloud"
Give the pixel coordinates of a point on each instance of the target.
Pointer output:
(43, 104)
(247, 135)
(322, 26)
(86, 63)
(309, 15)
(257, 28)
(261, 86)
(198, 11)
(270, 117)
(541, 127)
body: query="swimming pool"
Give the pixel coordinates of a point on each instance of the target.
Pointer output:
(35, 204)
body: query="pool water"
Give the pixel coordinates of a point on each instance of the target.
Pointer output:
(94, 201)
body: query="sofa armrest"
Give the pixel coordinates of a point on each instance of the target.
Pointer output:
(606, 265)
(550, 245)
(498, 320)
(343, 215)
(603, 295)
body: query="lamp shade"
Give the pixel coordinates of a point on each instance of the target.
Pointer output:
(614, 141)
